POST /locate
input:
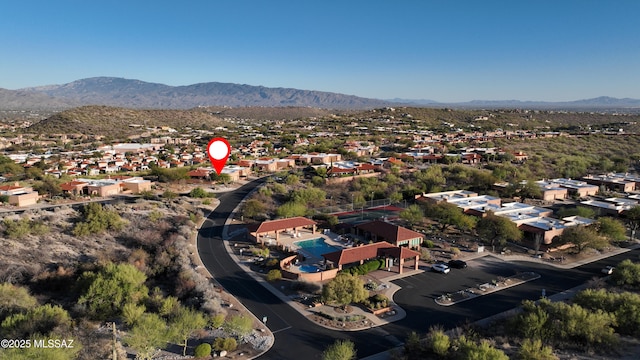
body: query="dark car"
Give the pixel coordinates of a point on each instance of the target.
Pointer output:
(457, 264)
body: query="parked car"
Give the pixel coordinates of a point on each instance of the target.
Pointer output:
(457, 264)
(441, 268)
(608, 270)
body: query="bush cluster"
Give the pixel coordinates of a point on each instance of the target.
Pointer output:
(347, 318)
(367, 267)
(378, 301)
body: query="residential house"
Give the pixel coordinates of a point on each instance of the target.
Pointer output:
(19, 195)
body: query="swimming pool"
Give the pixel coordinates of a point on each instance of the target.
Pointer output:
(309, 268)
(315, 247)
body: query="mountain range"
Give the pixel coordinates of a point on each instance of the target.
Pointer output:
(138, 94)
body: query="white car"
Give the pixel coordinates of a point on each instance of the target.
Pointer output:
(608, 270)
(441, 268)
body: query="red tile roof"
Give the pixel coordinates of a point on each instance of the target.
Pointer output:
(198, 173)
(283, 224)
(389, 232)
(369, 251)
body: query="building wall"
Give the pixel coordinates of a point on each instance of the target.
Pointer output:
(550, 195)
(105, 190)
(137, 187)
(24, 199)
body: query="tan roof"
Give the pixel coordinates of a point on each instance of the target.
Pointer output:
(283, 224)
(389, 232)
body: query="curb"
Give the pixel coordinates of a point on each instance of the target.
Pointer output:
(472, 295)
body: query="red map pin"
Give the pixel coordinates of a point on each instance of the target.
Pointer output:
(218, 151)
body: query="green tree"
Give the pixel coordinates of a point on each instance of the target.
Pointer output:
(529, 190)
(253, 208)
(497, 230)
(340, 350)
(113, 286)
(184, 324)
(291, 209)
(611, 228)
(627, 273)
(131, 313)
(238, 325)
(450, 215)
(412, 214)
(147, 336)
(583, 237)
(344, 289)
(582, 211)
(216, 321)
(632, 217)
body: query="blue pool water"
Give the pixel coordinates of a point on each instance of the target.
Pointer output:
(309, 268)
(315, 247)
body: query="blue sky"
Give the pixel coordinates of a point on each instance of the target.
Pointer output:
(443, 50)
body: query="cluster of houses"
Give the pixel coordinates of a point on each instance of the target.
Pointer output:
(532, 220)
(20, 196)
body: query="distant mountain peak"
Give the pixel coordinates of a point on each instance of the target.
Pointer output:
(138, 94)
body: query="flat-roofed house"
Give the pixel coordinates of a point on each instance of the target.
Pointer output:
(135, 185)
(103, 188)
(20, 195)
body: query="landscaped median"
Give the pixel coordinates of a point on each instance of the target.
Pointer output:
(498, 284)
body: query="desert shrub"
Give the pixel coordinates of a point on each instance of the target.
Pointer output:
(15, 299)
(216, 321)
(274, 274)
(227, 344)
(202, 351)
(366, 267)
(535, 350)
(238, 325)
(272, 262)
(96, 219)
(428, 244)
(39, 320)
(131, 313)
(378, 301)
(200, 193)
(438, 342)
